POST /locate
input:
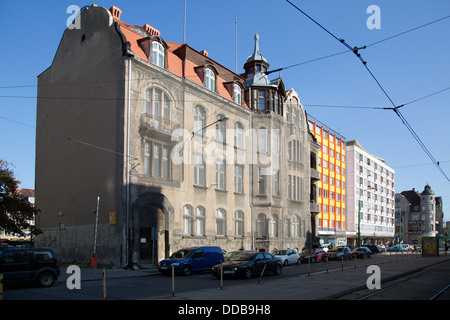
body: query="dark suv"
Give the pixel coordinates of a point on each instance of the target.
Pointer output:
(29, 265)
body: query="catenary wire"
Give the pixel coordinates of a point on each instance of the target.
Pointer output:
(395, 108)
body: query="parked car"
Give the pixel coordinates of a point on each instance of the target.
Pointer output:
(374, 248)
(407, 247)
(340, 253)
(314, 255)
(362, 252)
(194, 259)
(395, 248)
(231, 254)
(287, 256)
(38, 266)
(248, 264)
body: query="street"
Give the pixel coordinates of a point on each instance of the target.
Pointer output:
(293, 277)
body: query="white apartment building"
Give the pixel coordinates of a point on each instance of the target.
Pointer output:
(369, 197)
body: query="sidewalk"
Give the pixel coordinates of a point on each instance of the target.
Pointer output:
(89, 274)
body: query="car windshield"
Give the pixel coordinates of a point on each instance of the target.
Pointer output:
(280, 252)
(184, 253)
(336, 250)
(361, 249)
(308, 251)
(243, 257)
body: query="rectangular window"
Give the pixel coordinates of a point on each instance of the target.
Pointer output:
(275, 184)
(156, 165)
(238, 178)
(261, 100)
(199, 170)
(165, 163)
(220, 174)
(262, 182)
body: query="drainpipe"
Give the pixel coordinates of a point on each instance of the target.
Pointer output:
(128, 262)
(251, 171)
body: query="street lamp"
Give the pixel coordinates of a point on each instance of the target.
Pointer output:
(221, 119)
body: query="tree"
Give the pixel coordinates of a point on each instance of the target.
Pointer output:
(15, 210)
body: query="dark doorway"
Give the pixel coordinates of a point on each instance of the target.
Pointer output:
(148, 234)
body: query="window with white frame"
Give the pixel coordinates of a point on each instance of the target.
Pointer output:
(210, 80)
(156, 160)
(199, 120)
(220, 129)
(188, 219)
(237, 94)
(238, 178)
(261, 224)
(273, 225)
(199, 170)
(158, 54)
(221, 222)
(239, 223)
(238, 135)
(220, 173)
(200, 220)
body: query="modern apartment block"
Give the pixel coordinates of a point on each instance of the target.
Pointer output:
(370, 197)
(331, 187)
(145, 146)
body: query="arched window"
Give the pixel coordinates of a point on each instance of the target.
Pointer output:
(200, 221)
(210, 80)
(273, 225)
(187, 220)
(239, 223)
(238, 135)
(237, 94)
(220, 129)
(158, 54)
(199, 120)
(221, 222)
(295, 226)
(261, 225)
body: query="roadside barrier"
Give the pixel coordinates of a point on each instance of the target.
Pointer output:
(104, 284)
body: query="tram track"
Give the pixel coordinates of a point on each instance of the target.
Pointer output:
(428, 277)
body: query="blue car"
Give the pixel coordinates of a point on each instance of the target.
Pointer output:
(395, 248)
(193, 259)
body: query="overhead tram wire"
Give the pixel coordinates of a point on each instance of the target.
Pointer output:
(395, 108)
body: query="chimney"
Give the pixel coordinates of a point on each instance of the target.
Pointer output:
(151, 30)
(204, 52)
(116, 12)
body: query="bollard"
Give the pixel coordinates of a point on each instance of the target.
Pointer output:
(342, 262)
(309, 266)
(355, 260)
(104, 284)
(1, 286)
(221, 277)
(375, 256)
(327, 263)
(262, 272)
(173, 281)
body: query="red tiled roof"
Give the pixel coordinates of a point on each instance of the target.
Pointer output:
(175, 54)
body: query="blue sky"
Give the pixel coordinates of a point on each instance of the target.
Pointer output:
(408, 67)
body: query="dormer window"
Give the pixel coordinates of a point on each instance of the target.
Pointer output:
(237, 94)
(210, 80)
(158, 54)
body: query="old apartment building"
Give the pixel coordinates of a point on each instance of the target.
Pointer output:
(145, 146)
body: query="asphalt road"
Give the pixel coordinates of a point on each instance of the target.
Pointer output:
(196, 286)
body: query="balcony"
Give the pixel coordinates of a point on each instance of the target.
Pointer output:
(315, 174)
(314, 207)
(149, 123)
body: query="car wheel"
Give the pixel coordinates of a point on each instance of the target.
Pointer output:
(248, 273)
(299, 261)
(313, 260)
(277, 270)
(46, 279)
(186, 271)
(286, 262)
